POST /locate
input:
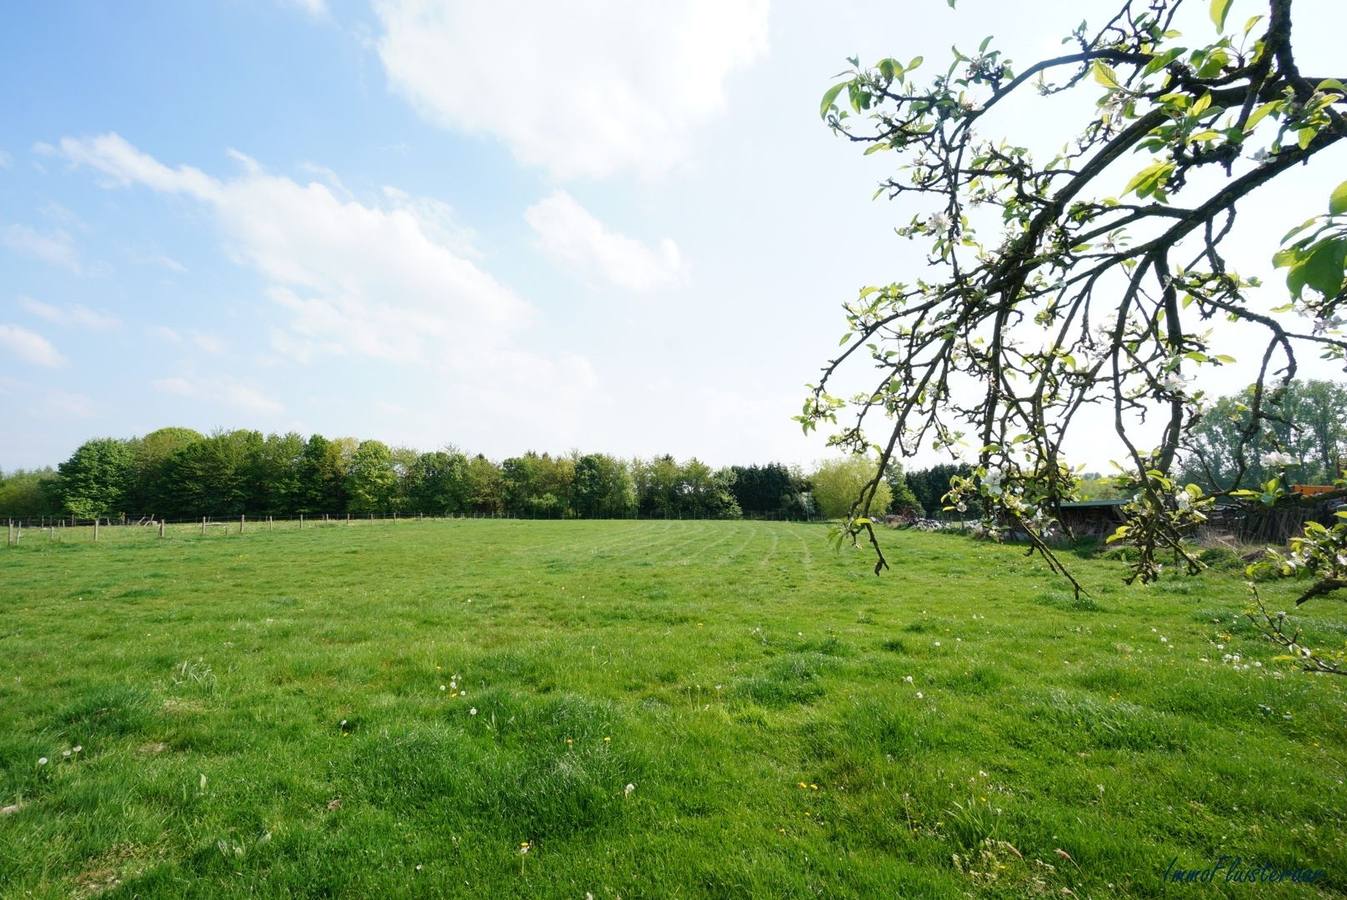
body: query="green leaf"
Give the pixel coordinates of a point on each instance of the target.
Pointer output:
(1219, 8)
(1257, 115)
(828, 97)
(1337, 201)
(1159, 62)
(1105, 75)
(916, 60)
(1323, 270)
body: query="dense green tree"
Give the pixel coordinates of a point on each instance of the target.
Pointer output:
(95, 480)
(371, 479)
(602, 487)
(440, 482)
(484, 486)
(657, 483)
(150, 456)
(930, 485)
(773, 489)
(278, 468)
(22, 494)
(322, 475)
(706, 493)
(537, 485)
(838, 482)
(901, 498)
(216, 476)
(1307, 421)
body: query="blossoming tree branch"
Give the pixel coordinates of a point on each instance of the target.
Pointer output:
(1087, 279)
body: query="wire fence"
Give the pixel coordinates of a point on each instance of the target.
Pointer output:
(72, 528)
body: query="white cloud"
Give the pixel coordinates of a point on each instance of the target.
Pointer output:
(159, 258)
(30, 346)
(56, 247)
(58, 404)
(164, 333)
(75, 314)
(250, 400)
(180, 386)
(569, 233)
(583, 89)
(390, 281)
(5, 160)
(208, 342)
(239, 396)
(315, 8)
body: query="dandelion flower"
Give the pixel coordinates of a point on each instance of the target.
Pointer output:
(78, 748)
(42, 761)
(908, 679)
(441, 687)
(607, 740)
(626, 791)
(918, 695)
(65, 753)
(473, 711)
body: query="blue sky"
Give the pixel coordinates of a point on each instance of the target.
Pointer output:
(507, 226)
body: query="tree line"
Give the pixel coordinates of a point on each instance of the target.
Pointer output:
(178, 473)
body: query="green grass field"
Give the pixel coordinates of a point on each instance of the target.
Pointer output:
(663, 709)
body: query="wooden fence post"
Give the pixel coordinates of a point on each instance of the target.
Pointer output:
(241, 520)
(9, 534)
(161, 527)
(203, 526)
(301, 520)
(95, 529)
(271, 526)
(348, 520)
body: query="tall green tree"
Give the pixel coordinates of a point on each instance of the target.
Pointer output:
(322, 475)
(1307, 421)
(440, 482)
(23, 495)
(602, 487)
(150, 456)
(278, 468)
(96, 480)
(216, 476)
(837, 483)
(371, 480)
(484, 486)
